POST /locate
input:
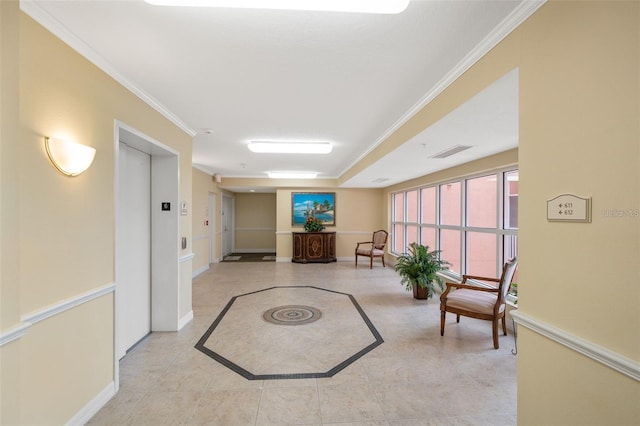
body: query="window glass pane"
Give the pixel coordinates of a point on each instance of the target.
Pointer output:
(412, 206)
(450, 246)
(398, 238)
(482, 195)
(428, 205)
(412, 234)
(511, 199)
(481, 254)
(450, 203)
(428, 237)
(398, 207)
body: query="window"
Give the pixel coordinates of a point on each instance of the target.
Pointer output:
(473, 221)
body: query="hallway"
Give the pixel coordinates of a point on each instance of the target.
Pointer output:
(415, 377)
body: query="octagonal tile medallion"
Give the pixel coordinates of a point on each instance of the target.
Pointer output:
(293, 332)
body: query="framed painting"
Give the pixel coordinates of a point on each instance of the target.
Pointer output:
(321, 205)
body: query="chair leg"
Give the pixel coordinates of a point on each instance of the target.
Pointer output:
(496, 345)
(356, 260)
(457, 318)
(504, 326)
(443, 314)
(383, 265)
(371, 262)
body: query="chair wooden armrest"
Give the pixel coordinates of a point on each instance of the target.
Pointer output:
(476, 277)
(364, 242)
(468, 287)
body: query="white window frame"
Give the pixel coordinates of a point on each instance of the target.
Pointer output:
(500, 231)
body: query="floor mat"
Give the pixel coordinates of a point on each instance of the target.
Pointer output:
(250, 257)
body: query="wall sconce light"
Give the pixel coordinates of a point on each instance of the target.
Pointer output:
(69, 158)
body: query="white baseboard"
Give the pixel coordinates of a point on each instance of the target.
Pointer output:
(185, 320)
(92, 407)
(199, 271)
(265, 250)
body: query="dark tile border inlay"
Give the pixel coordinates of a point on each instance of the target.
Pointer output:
(250, 376)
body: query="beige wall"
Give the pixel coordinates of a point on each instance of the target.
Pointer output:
(255, 222)
(61, 229)
(9, 211)
(358, 213)
(579, 106)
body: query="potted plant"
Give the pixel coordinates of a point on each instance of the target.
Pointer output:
(419, 270)
(313, 224)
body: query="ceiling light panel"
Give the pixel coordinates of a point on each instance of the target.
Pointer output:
(266, 147)
(356, 6)
(292, 175)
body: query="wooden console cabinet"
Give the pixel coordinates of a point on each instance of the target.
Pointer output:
(314, 247)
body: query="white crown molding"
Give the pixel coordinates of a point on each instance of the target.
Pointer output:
(510, 23)
(202, 168)
(611, 359)
(63, 33)
(55, 309)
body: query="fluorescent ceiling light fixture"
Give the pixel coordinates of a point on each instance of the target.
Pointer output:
(292, 175)
(290, 147)
(357, 6)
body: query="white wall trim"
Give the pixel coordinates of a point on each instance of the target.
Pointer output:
(185, 320)
(92, 407)
(510, 23)
(611, 359)
(199, 271)
(55, 309)
(187, 257)
(200, 237)
(14, 333)
(300, 229)
(258, 250)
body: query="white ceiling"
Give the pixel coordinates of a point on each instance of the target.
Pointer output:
(350, 79)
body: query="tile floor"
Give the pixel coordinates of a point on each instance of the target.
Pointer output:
(415, 377)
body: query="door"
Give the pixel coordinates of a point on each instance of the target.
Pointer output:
(211, 221)
(227, 225)
(133, 248)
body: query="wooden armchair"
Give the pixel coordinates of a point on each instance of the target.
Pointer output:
(484, 303)
(373, 248)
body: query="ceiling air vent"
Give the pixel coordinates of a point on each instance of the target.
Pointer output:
(451, 151)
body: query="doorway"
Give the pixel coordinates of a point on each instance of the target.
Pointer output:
(227, 225)
(211, 222)
(146, 216)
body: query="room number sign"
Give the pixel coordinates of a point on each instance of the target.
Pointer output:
(569, 208)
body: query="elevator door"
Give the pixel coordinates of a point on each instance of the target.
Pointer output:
(133, 248)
